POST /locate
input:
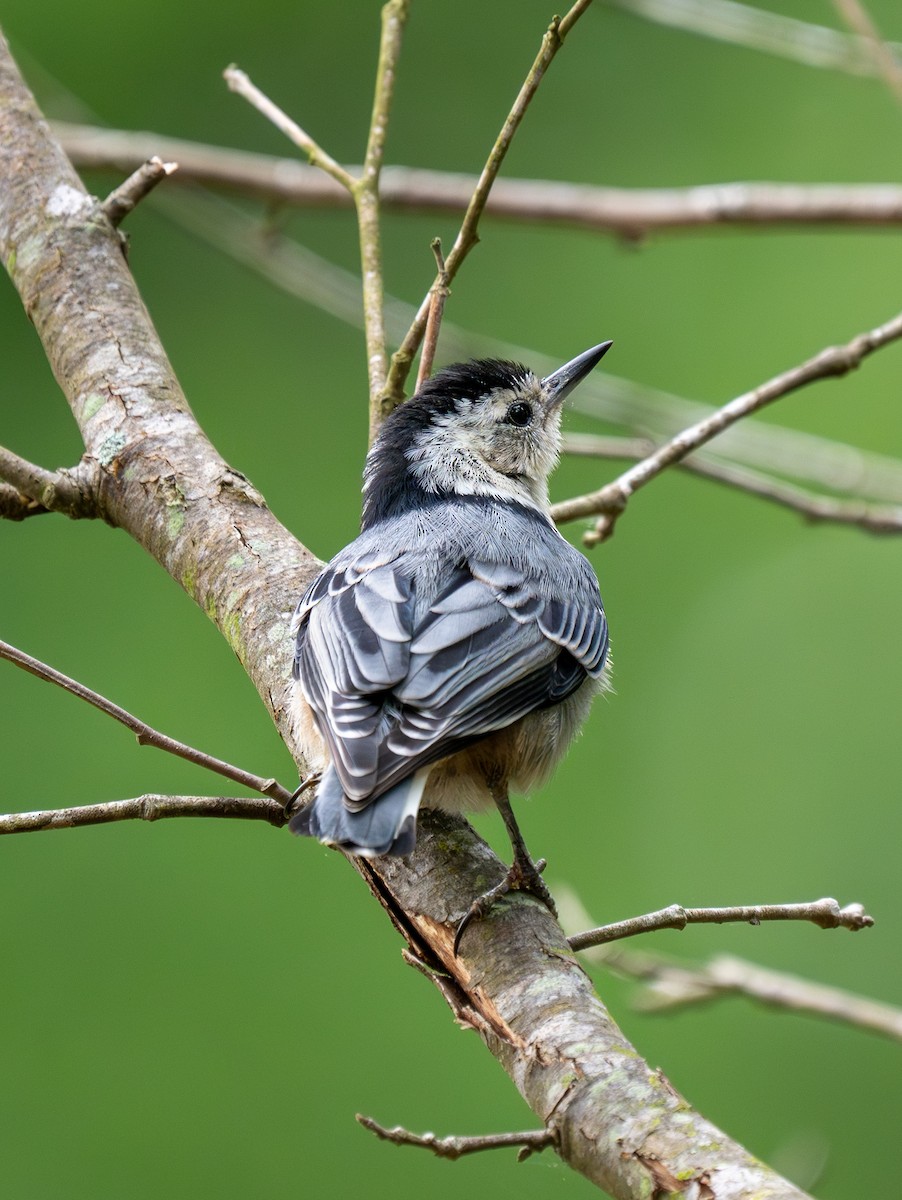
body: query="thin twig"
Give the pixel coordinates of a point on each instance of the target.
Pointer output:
(532, 1141)
(674, 985)
(466, 238)
(826, 913)
(746, 25)
(240, 82)
(131, 192)
(366, 199)
(626, 212)
(439, 295)
(859, 20)
(364, 189)
(612, 499)
(670, 983)
(69, 491)
(594, 445)
(875, 518)
(146, 735)
(151, 807)
(843, 468)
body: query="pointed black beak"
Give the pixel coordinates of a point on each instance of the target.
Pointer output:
(558, 386)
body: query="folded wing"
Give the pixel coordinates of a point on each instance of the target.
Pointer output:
(392, 693)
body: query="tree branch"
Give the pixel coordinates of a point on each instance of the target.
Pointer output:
(300, 272)
(835, 465)
(367, 201)
(131, 192)
(65, 491)
(466, 237)
(612, 499)
(532, 1141)
(240, 83)
(874, 518)
(364, 189)
(434, 320)
(670, 985)
(146, 735)
(150, 807)
(15, 506)
(825, 913)
(746, 25)
(886, 64)
(631, 213)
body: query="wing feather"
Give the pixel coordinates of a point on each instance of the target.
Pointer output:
(397, 681)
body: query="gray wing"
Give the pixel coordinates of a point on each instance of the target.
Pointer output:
(392, 694)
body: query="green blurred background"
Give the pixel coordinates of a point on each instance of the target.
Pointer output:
(199, 1008)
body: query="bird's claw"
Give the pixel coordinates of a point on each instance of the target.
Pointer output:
(291, 804)
(523, 876)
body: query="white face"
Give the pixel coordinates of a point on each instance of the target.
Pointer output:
(504, 443)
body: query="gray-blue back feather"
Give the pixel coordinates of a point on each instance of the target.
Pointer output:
(420, 638)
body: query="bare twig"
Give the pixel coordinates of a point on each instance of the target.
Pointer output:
(627, 212)
(363, 189)
(297, 270)
(746, 25)
(122, 201)
(434, 321)
(151, 807)
(826, 913)
(844, 468)
(240, 82)
(612, 499)
(875, 518)
(366, 198)
(69, 491)
(594, 445)
(859, 20)
(466, 238)
(146, 735)
(671, 985)
(532, 1141)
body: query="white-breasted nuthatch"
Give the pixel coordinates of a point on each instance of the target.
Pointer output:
(454, 648)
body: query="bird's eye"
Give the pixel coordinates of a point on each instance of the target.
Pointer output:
(519, 413)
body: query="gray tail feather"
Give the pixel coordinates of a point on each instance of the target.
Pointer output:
(386, 826)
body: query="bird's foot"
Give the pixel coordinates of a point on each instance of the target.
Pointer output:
(523, 876)
(309, 781)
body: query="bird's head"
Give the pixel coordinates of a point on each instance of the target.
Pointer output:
(484, 428)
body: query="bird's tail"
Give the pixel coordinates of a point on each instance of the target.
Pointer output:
(386, 826)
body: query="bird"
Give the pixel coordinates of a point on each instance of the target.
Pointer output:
(453, 649)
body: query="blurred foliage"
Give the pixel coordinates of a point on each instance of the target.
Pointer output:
(199, 1008)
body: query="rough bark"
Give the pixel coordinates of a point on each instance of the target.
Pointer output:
(517, 982)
